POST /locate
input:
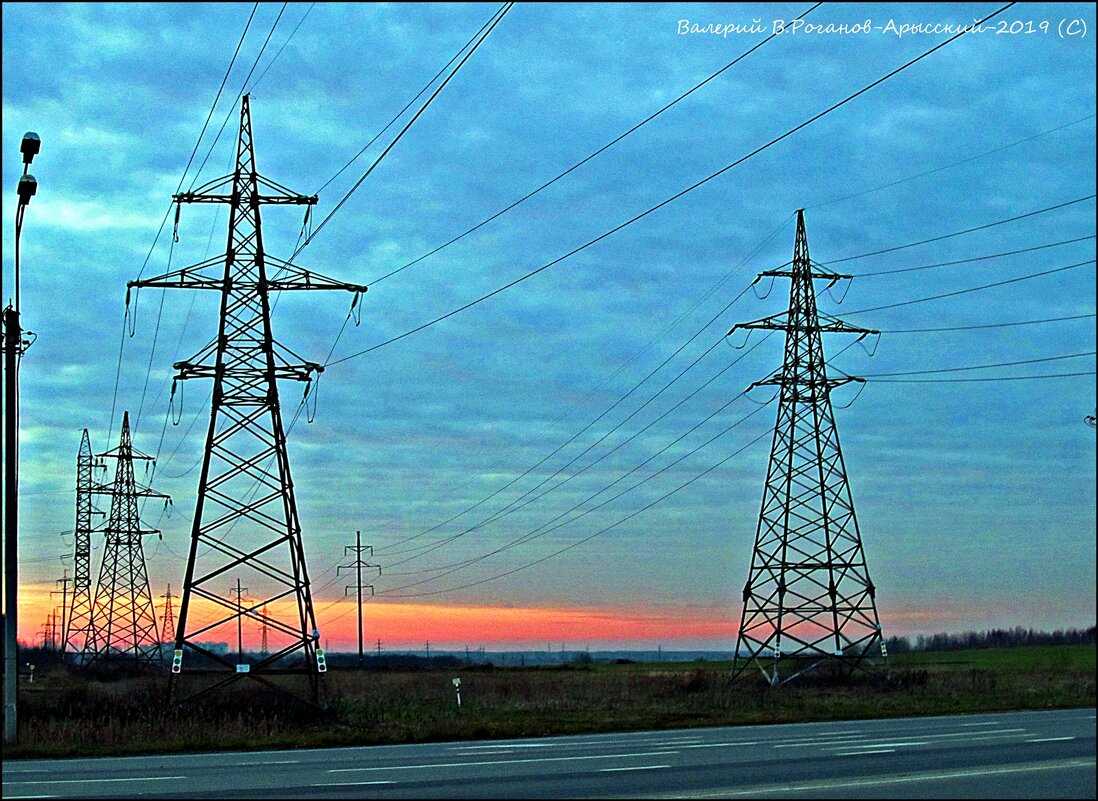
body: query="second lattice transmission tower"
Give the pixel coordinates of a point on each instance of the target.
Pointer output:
(123, 627)
(808, 597)
(246, 517)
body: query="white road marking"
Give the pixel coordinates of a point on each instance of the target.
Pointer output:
(866, 753)
(640, 767)
(924, 777)
(1049, 739)
(819, 743)
(273, 762)
(503, 762)
(88, 781)
(721, 745)
(878, 745)
(987, 723)
(351, 784)
(508, 745)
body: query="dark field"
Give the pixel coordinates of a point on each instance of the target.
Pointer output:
(64, 714)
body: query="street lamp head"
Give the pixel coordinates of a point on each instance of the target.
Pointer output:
(27, 187)
(30, 147)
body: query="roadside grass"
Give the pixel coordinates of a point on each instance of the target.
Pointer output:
(65, 714)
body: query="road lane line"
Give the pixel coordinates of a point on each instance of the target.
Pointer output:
(273, 762)
(988, 723)
(1072, 764)
(639, 767)
(866, 753)
(878, 745)
(503, 762)
(722, 745)
(819, 743)
(351, 784)
(89, 781)
(1049, 739)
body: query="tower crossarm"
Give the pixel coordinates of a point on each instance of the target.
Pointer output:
(288, 278)
(220, 190)
(292, 372)
(821, 275)
(812, 385)
(826, 325)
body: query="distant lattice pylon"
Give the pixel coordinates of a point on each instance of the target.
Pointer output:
(123, 616)
(808, 598)
(79, 627)
(167, 622)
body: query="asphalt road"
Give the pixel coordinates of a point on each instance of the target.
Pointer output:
(1004, 755)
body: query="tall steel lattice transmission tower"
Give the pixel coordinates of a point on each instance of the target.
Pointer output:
(123, 616)
(808, 597)
(246, 518)
(79, 628)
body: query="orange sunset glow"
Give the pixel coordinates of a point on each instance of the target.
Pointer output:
(405, 626)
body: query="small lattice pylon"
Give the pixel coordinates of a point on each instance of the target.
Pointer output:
(123, 617)
(167, 621)
(808, 599)
(79, 627)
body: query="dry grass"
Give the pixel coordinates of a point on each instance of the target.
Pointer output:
(65, 714)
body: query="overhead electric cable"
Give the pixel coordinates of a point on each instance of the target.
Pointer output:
(973, 380)
(981, 366)
(167, 213)
(548, 527)
(501, 14)
(408, 105)
(588, 538)
(720, 282)
(986, 325)
(239, 94)
(270, 63)
(671, 199)
(959, 233)
(588, 158)
(974, 258)
(972, 289)
(512, 508)
(951, 165)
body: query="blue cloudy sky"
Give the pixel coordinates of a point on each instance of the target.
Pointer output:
(976, 499)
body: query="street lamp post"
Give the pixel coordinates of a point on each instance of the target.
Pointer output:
(14, 347)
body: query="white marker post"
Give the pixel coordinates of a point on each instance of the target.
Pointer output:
(457, 689)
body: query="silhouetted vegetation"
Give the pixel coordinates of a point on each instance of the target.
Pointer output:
(992, 638)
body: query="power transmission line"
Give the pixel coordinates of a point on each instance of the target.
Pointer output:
(973, 259)
(951, 165)
(986, 325)
(408, 105)
(671, 199)
(601, 531)
(974, 380)
(975, 288)
(500, 15)
(959, 233)
(593, 155)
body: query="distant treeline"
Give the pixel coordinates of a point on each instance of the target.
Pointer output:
(992, 638)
